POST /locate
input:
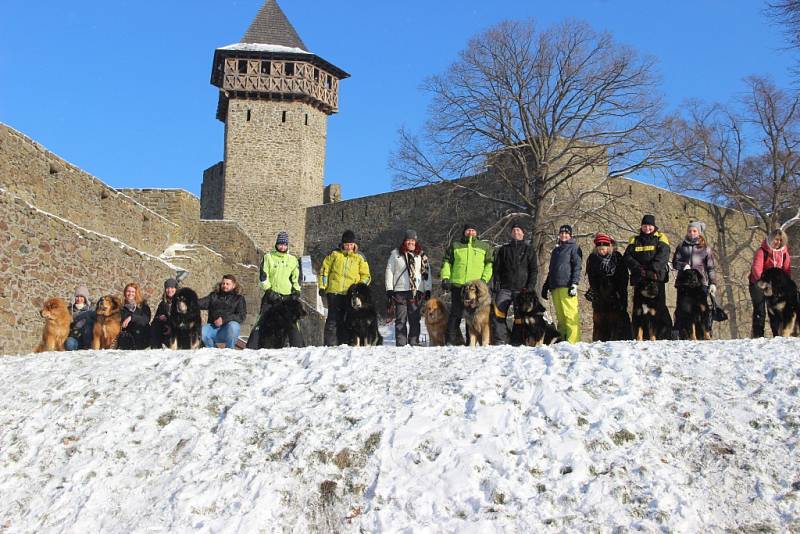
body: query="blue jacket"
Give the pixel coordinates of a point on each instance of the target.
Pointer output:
(565, 265)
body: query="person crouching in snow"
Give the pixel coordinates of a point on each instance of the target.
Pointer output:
(83, 317)
(608, 291)
(160, 329)
(408, 284)
(135, 316)
(227, 310)
(562, 281)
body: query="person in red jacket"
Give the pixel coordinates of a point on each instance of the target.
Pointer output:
(773, 252)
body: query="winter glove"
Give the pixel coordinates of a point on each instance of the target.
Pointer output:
(272, 296)
(389, 296)
(545, 291)
(573, 290)
(686, 267)
(428, 295)
(321, 293)
(295, 295)
(446, 285)
(589, 295)
(712, 290)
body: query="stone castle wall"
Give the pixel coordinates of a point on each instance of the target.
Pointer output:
(230, 240)
(212, 192)
(43, 256)
(438, 213)
(293, 135)
(52, 184)
(177, 205)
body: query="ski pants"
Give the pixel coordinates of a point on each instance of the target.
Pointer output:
(567, 314)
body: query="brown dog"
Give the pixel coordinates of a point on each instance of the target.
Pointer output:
(56, 325)
(108, 323)
(477, 306)
(435, 314)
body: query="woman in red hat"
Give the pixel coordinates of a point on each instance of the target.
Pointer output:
(608, 291)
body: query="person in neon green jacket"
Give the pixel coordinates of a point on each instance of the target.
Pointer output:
(279, 280)
(467, 259)
(341, 269)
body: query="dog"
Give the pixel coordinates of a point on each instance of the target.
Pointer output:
(610, 319)
(530, 326)
(108, 325)
(276, 324)
(361, 318)
(56, 325)
(651, 319)
(185, 321)
(781, 298)
(477, 307)
(691, 309)
(435, 314)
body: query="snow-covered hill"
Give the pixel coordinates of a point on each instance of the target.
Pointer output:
(672, 436)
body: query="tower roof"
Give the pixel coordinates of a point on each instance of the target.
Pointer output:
(271, 27)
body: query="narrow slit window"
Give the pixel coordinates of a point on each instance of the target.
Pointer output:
(248, 115)
(306, 119)
(283, 116)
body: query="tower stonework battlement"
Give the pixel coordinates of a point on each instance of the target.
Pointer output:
(275, 98)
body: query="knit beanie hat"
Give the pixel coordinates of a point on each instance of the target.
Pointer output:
(82, 291)
(701, 226)
(469, 226)
(348, 237)
(649, 219)
(565, 228)
(601, 239)
(517, 225)
(283, 238)
(170, 282)
(410, 234)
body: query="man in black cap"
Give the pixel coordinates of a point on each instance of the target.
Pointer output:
(513, 270)
(647, 256)
(466, 259)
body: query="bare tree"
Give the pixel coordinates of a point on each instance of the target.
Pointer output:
(549, 115)
(787, 14)
(745, 155)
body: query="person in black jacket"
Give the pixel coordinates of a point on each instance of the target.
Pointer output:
(160, 328)
(83, 317)
(647, 256)
(135, 316)
(514, 270)
(227, 310)
(608, 291)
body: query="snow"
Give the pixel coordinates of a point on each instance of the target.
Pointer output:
(604, 437)
(260, 47)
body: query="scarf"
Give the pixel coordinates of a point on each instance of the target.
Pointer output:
(411, 265)
(130, 306)
(609, 264)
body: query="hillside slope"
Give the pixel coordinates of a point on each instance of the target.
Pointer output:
(597, 437)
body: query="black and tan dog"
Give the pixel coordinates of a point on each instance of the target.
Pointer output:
(651, 319)
(278, 322)
(477, 306)
(530, 327)
(185, 321)
(691, 309)
(361, 318)
(782, 305)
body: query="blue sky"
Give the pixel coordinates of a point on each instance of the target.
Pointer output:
(121, 88)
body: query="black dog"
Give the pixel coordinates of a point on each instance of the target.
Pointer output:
(691, 309)
(185, 322)
(360, 317)
(782, 306)
(610, 319)
(530, 327)
(278, 325)
(651, 319)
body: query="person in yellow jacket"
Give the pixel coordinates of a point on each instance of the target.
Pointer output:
(341, 269)
(466, 260)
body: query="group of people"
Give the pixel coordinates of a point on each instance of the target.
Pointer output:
(226, 307)
(511, 269)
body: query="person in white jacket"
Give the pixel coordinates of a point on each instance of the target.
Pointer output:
(408, 285)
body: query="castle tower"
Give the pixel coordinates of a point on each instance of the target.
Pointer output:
(275, 97)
